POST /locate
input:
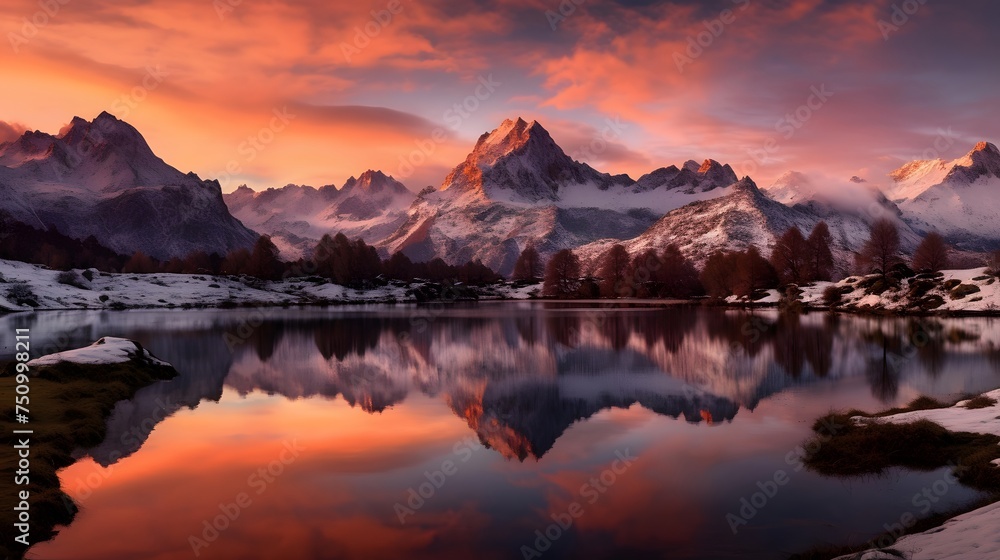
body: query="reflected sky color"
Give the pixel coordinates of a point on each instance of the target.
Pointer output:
(226, 65)
(374, 413)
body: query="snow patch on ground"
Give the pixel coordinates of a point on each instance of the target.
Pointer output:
(107, 350)
(986, 299)
(972, 536)
(121, 291)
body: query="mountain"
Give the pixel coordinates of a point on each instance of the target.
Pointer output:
(519, 162)
(746, 216)
(101, 178)
(690, 179)
(517, 185)
(371, 206)
(957, 198)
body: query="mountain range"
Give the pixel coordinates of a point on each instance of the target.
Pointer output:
(100, 178)
(516, 186)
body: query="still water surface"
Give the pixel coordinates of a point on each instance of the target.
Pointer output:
(317, 431)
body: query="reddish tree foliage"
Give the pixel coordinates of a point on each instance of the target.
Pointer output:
(643, 274)
(528, 265)
(820, 256)
(140, 263)
(790, 257)
(677, 275)
(264, 261)
(235, 262)
(753, 273)
(881, 252)
(613, 273)
(932, 254)
(718, 276)
(562, 275)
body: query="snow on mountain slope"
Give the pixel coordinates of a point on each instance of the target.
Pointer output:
(748, 216)
(518, 186)
(101, 178)
(519, 162)
(371, 206)
(956, 198)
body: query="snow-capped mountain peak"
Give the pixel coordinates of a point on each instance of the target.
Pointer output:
(101, 178)
(374, 182)
(519, 162)
(956, 198)
(692, 178)
(982, 161)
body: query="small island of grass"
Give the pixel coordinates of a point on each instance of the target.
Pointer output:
(71, 396)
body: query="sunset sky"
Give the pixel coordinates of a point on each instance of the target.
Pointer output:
(366, 90)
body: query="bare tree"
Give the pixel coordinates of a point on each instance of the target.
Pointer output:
(820, 266)
(235, 262)
(678, 276)
(613, 272)
(528, 265)
(644, 274)
(562, 275)
(932, 253)
(881, 251)
(753, 272)
(791, 257)
(140, 263)
(264, 262)
(718, 274)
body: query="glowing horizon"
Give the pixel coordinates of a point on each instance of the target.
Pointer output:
(829, 88)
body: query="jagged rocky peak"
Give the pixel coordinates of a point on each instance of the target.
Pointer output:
(106, 129)
(519, 161)
(692, 165)
(717, 172)
(510, 137)
(982, 161)
(692, 177)
(986, 147)
(374, 182)
(857, 180)
(746, 186)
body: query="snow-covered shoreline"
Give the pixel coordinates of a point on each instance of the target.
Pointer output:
(952, 292)
(970, 536)
(161, 290)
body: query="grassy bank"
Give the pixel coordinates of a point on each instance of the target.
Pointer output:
(69, 406)
(873, 446)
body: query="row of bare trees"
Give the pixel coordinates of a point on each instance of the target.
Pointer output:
(343, 261)
(796, 259)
